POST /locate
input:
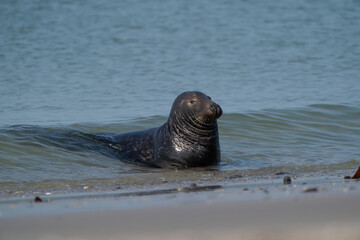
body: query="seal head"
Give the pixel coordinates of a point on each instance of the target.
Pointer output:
(196, 108)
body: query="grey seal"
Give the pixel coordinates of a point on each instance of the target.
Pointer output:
(189, 138)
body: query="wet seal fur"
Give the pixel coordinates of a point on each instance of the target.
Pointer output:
(189, 138)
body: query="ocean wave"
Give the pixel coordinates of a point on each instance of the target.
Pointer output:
(263, 141)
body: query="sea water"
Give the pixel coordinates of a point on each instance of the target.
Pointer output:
(286, 74)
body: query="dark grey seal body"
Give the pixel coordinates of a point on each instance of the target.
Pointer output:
(189, 138)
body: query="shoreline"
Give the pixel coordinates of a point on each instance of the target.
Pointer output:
(325, 207)
(162, 180)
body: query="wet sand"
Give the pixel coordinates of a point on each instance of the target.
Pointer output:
(308, 208)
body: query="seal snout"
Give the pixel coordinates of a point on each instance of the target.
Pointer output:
(216, 110)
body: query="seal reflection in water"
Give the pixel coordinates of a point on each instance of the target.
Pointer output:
(189, 138)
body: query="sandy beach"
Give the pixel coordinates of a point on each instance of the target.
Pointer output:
(308, 208)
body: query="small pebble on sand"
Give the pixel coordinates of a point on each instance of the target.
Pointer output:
(309, 190)
(287, 180)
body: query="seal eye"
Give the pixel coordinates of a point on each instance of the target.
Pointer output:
(193, 101)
